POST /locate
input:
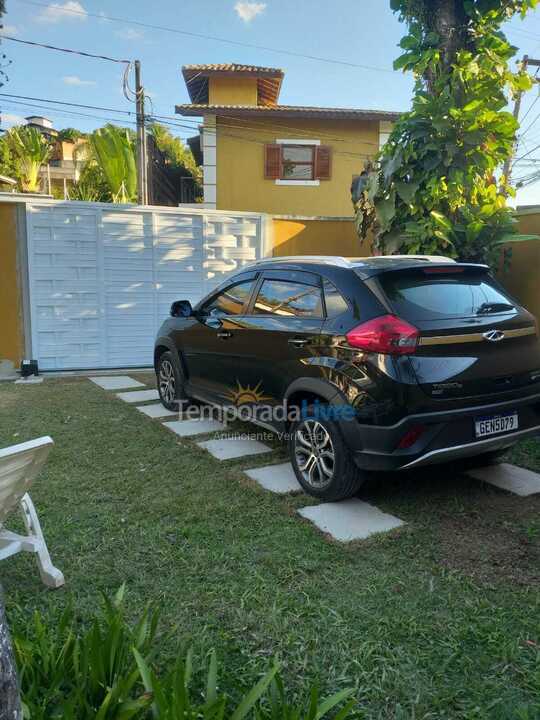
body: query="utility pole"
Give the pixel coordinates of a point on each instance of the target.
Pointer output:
(142, 168)
(525, 63)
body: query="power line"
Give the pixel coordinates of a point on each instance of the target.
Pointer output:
(235, 122)
(64, 102)
(530, 108)
(254, 126)
(65, 50)
(529, 126)
(214, 38)
(526, 154)
(64, 113)
(243, 138)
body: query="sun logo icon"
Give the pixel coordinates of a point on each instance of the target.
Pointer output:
(247, 395)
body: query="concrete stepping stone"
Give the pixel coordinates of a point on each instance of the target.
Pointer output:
(230, 447)
(278, 479)
(138, 396)
(515, 479)
(115, 382)
(350, 519)
(156, 411)
(186, 428)
(31, 380)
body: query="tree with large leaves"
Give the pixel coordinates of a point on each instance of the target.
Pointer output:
(436, 187)
(29, 151)
(109, 170)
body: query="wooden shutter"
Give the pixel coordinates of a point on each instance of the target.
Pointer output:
(272, 162)
(323, 162)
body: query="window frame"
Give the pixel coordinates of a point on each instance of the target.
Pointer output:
(325, 280)
(239, 280)
(312, 148)
(303, 278)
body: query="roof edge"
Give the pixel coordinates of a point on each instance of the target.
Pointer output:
(191, 109)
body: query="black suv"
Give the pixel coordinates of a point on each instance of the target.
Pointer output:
(381, 364)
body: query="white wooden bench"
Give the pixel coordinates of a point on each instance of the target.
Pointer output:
(19, 466)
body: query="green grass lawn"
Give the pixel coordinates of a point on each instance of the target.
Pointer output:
(439, 619)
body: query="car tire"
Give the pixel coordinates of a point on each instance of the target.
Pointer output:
(321, 461)
(170, 381)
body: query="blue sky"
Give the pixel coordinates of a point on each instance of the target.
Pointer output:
(362, 33)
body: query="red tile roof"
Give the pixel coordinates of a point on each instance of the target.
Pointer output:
(233, 67)
(268, 80)
(287, 111)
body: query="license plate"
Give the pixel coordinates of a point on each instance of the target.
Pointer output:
(496, 424)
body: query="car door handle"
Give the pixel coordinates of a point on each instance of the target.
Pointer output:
(298, 342)
(224, 334)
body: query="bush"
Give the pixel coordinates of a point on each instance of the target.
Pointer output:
(106, 672)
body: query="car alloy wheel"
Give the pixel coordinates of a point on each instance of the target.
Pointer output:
(167, 382)
(314, 454)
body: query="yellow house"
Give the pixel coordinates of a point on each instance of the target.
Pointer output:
(260, 156)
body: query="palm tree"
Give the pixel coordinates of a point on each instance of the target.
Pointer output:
(110, 153)
(29, 150)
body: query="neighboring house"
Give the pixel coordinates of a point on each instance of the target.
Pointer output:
(43, 124)
(61, 171)
(260, 156)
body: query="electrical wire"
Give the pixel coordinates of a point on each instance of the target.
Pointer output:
(243, 138)
(235, 122)
(64, 102)
(526, 154)
(63, 113)
(129, 94)
(64, 50)
(214, 38)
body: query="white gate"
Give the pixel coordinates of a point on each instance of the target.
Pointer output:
(102, 277)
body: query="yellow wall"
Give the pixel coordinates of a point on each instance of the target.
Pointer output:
(11, 331)
(232, 91)
(241, 184)
(523, 276)
(317, 237)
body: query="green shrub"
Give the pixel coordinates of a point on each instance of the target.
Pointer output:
(92, 674)
(106, 672)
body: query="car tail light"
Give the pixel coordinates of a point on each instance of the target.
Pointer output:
(387, 334)
(410, 437)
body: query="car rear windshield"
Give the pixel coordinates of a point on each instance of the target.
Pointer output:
(421, 296)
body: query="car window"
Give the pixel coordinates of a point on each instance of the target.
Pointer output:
(288, 299)
(231, 301)
(421, 297)
(335, 302)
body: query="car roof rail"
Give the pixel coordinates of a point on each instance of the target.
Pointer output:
(324, 259)
(346, 262)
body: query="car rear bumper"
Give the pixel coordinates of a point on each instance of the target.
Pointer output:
(445, 436)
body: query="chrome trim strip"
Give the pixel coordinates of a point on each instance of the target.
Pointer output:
(474, 337)
(456, 449)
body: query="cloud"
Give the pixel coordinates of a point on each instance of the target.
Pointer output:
(249, 10)
(8, 120)
(129, 34)
(75, 80)
(9, 30)
(56, 12)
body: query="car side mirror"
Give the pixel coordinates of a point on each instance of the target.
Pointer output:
(181, 308)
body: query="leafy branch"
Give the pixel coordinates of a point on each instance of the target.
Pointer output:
(435, 188)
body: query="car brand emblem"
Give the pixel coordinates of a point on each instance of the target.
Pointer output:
(493, 335)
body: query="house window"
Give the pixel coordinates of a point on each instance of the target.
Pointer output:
(290, 163)
(297, 162)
